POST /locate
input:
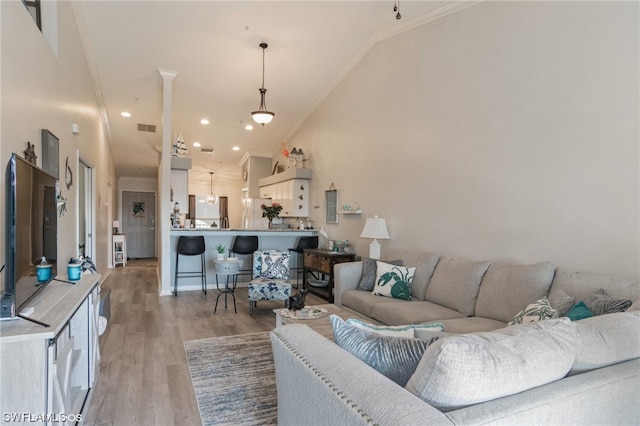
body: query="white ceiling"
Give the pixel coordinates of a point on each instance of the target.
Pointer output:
(214, 48)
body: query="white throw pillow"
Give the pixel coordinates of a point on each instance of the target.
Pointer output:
(467, 369)
(393, 281)
(396, 330)
(536, 311)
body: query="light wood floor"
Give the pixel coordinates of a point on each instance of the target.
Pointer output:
(144, 378)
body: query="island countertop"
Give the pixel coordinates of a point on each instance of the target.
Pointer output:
(276, 239)
(238, 231)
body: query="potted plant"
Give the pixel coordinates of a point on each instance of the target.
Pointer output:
(220, 248)
(271, 212)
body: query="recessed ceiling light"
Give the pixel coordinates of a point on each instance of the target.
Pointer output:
(236, 148)
(248, 127)
(197, 144)
(204, 121)
(125, 114)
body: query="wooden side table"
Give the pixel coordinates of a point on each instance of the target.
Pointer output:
(322, 261)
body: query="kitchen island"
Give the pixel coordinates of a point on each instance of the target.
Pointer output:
(278, 239)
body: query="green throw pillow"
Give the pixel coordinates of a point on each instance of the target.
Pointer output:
(579, 311)
(393, 281)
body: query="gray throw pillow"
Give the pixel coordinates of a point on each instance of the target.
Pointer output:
(394, 357)
(561, 302)
(368, 279)
(600, 303)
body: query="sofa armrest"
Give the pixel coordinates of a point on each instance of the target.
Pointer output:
(346, 276)
(320, 383)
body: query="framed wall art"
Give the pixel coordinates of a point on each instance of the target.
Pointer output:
(50, 153)
(331, 206)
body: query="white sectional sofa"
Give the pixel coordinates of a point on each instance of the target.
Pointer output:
(595, 361)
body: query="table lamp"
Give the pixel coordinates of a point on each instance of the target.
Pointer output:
(116, 225)
(375, 228)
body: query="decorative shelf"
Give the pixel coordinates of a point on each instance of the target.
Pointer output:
(349, 211)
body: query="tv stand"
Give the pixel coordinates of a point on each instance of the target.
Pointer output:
(47, 371)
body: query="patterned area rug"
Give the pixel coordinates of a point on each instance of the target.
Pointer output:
(234, 379)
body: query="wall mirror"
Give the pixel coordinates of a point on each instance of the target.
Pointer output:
(331, 206)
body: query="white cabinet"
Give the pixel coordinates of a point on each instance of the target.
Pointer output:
(290, 189)
(293, 195)
(119, 249)
(52, 369)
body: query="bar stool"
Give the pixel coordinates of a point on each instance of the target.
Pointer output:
(303, 243)
(244, 244)
(191, 246)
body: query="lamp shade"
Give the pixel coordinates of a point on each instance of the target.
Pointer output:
(116, 224)
(375, 227)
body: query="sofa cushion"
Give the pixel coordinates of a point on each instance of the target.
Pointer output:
(600, 303)
(606, 340)
(579, 311)
(536, 311)
(368, 278)
(393, 281)
(394, 357)
(425, 264)
(461, 370)
(364, 301)
(506, 289)
(582, 284)
(455, 284)
(472, 324)
(411, 312)
(396, 330)
(561, 302)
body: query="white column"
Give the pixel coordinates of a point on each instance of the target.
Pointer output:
(164, 184)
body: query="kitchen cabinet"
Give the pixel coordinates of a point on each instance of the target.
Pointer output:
(290, 190)
(292, 195)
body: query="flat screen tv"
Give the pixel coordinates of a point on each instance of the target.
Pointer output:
(31, 229)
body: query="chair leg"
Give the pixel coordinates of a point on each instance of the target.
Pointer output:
(175, 281)
(204, 273)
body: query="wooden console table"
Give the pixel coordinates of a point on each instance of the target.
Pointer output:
(322, 261)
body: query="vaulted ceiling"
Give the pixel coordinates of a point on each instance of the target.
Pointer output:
(213, 46)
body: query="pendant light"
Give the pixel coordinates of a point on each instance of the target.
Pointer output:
(211, 198)
(262, 116)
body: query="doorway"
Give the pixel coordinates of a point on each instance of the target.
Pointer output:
(139, 223)
(85, 214)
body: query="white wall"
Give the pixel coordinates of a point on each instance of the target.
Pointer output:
(45, 88)
(506, 131)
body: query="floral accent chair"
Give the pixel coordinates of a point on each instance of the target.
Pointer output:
(270, 275)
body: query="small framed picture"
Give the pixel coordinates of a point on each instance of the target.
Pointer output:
(331, 206)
